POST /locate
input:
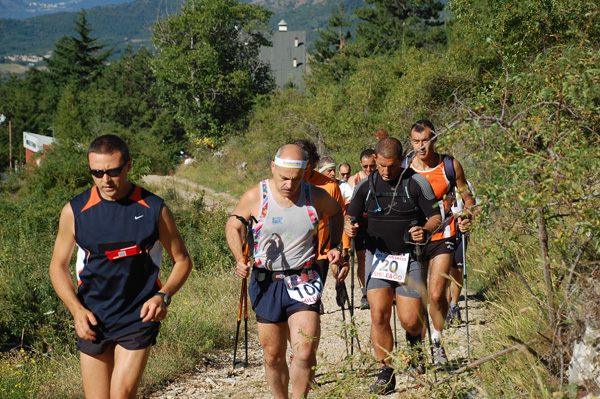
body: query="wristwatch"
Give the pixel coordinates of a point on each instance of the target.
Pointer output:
(165, 297)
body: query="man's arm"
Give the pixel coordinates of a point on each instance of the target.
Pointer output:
(429, 206)
(464, 222)
(61, 278)
(235, 230)
(154, 309)
(326, 205)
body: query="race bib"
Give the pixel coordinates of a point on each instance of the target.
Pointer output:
(305, 287)
(390, 267)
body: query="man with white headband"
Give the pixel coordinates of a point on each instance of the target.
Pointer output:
(327, 168)
(285, 289)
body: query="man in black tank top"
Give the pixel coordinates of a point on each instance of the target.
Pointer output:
(118, 229)
(400, 207)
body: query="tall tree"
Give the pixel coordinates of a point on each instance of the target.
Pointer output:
(208, 61)
(78, 59)
(334, 37)
(388, 25)
(331, 60)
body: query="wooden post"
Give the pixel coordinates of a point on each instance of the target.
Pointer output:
(10, 145)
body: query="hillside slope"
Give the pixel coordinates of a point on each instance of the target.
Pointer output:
(130, 24)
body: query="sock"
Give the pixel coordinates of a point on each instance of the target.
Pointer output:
(364, 291)
(453, 305)
(435, 334)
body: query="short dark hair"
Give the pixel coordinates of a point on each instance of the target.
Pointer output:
(367, 153)
(108, 144)
(421, 125)
(310, 148)
(388, 147)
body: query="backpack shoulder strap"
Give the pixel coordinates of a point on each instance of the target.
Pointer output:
(405, 163)
(426, 188)
(371, 191)
(449, 169)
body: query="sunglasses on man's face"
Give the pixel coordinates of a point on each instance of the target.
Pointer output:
(99, 174)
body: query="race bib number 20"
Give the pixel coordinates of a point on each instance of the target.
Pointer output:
(306, 287)
(390, 267)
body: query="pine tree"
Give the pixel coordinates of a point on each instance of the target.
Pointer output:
(389, 25)
(78, 59)
(334, 37)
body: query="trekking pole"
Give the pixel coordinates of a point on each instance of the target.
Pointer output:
(464, 248)
(421, 262)
(243, 294)
(419, 252)
(352, 253)
(395, 328)
(341, 298)
(239, 320)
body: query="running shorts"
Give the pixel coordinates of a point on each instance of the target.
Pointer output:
(443, 246)
(270, 299)
(414, 282)
(132, 340)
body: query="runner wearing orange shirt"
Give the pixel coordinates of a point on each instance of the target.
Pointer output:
(323, 237)
(440, 250)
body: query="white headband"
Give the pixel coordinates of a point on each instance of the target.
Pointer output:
(290, 163)
(326, 166)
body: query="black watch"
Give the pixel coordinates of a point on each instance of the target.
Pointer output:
(165, 297)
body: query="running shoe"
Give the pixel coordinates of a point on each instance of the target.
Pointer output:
(439, 354)
(364, 303)
(415, 362)
(453, 316)
(386, 382)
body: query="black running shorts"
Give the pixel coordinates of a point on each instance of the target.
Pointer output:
(133, 340)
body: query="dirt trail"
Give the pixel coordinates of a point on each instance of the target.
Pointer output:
(191, 191)
(216, 378)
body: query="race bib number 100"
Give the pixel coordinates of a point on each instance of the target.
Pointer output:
(390, 267)
(306, 287)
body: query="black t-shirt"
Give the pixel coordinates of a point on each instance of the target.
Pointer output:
(387, 229)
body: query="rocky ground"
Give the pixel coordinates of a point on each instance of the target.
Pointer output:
(216, 378)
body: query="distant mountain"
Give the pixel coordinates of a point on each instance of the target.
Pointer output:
(130, 23)
(20, 9)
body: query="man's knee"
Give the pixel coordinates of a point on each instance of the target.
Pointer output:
(439, 295)
(413, 325)
(380, 317)
(273, 356)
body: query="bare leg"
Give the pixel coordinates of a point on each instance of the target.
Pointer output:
(273, 338)
(127, 372)
(305, 330)
(381, 331)
(96, 372)
(360, 270)
(438, 279)
(455, 289)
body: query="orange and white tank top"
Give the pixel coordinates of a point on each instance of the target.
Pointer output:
(441, 187)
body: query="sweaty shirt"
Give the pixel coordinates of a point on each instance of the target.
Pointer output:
(387, 229)
(283, 237)
(115, 290)
(441, 187)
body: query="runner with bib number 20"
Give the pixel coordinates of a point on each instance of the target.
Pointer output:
(401, 208)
